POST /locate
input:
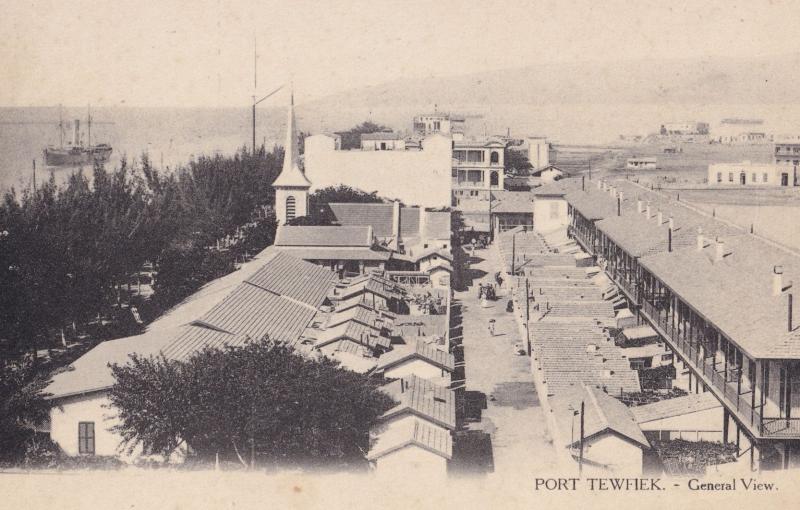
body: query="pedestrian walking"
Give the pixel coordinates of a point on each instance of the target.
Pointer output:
(491, 327)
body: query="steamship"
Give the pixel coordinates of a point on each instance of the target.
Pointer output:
(75, 153)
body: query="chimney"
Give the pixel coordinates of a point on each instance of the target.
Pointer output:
(395, 225)
(600, 184)
(621, 196)
(700, 241)
(719, 250)
(423, 225)
(671, 223)
(777, 280)
(639, 205)
(660, 218)
(648, 210)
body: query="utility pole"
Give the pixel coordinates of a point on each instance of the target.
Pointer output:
(513, 252)
(255, 86)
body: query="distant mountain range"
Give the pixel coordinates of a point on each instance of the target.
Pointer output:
(580, 102)
(715, 80)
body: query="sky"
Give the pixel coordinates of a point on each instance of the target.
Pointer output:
(200, 53)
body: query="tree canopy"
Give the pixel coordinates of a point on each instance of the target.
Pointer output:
(351, 139)
(262, 402)
(517, 162)
(67, 251)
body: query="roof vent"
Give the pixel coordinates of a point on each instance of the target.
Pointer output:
(648, 210)
(591, 348)
(671, 223)
(660, 217)
(700, 242)
(639, 205)
(719, 250)
(777, 280)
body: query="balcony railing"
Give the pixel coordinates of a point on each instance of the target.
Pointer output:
(738, 398)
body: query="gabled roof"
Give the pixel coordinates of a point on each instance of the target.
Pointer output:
(602, 413)
(436, 225)
(355, 331)
(422, 398)
(678, 406)
(413, 433)
(379, 216)
(344, 253)
(735, 294)
(327, 236)
(90, 372)
(370, 283)
(419, 350)
(571, 354)
(512, 201)
(361, 314)
(278, 300)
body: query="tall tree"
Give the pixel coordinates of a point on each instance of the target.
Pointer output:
(261, 401)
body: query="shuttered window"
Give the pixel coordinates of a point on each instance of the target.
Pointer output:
(290, 208)
(86, 438)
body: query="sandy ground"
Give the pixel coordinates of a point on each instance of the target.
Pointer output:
(513, 417)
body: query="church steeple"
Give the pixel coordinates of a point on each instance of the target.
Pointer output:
(291, 175)
(291, 186)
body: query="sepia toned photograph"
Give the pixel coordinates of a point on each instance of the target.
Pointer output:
(399, 254)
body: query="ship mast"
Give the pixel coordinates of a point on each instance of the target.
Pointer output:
(88, 125)
(61, 126)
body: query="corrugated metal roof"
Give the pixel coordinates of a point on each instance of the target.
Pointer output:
(252, 311)
(294, 278)
(414, 433)
(423, 398)
(602, 413)
(677, 406)
(419, 350)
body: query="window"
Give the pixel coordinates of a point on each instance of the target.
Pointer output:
(86, 438)
(730, 176)
(754, 179)
(719, 176)
(765, 177)
(494, 179)
(475, 156)
(494, 158)
(383, 146)
(290, 208)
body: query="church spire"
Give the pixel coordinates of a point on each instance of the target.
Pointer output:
(291, 175)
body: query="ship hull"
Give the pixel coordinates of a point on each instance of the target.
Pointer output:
(77, 156)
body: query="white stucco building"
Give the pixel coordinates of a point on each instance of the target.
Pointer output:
(752, 174)
(417, 177)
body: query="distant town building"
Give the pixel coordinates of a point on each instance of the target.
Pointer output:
(641, 164)
(787, 151)
(478, 169)
(685, 128)
(538, 152)
(444, 123)
(740, 132)
(752, 174)
(382, 141)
